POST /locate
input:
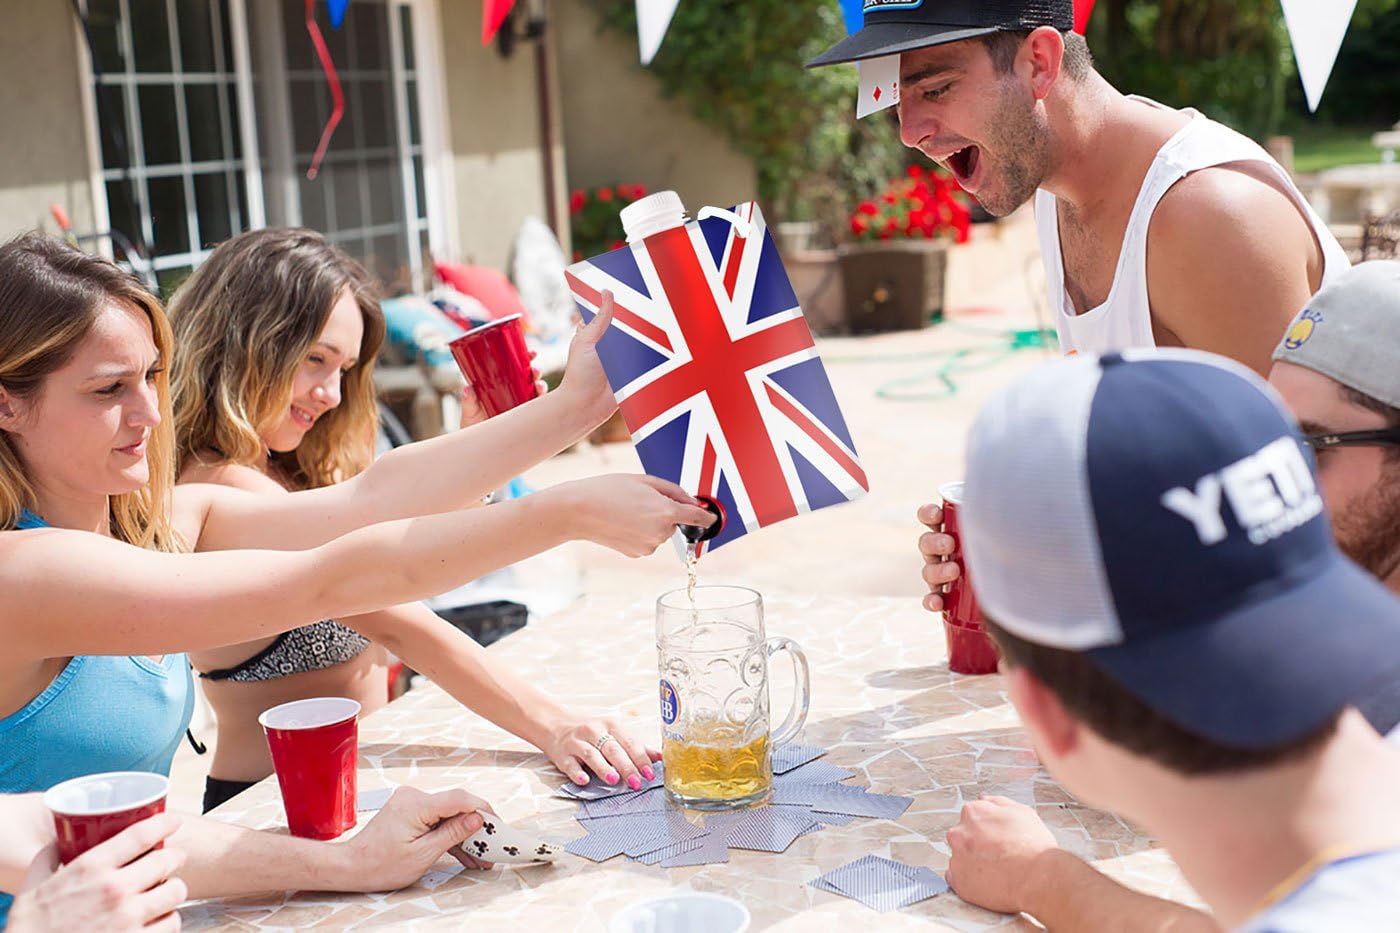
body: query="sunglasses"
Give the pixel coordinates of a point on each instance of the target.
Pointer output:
(1384, 437)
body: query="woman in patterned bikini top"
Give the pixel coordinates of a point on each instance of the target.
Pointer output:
(276, 335)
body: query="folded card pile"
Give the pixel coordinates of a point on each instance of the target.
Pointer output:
(807, 796)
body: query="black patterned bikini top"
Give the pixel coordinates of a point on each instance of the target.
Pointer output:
(309, 648)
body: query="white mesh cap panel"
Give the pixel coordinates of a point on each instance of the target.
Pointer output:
(1028, 523)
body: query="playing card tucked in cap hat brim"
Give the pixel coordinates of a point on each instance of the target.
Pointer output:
(887, 38)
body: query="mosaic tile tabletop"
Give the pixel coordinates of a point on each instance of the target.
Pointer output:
(882, 700)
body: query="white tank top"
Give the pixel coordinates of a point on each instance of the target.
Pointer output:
(1124, 320)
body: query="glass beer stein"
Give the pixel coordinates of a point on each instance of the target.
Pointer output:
(715, 735)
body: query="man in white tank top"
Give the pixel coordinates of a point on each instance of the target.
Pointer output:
(1157, 226)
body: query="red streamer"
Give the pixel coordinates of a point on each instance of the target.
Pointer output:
(1082, 11)
(333, 79)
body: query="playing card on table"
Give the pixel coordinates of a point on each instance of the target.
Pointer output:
(497, 841)
(597, 790)
(789, 756)
(657, 831)
(710, 851)
(597, 847)
(881, 884)
(879, 84)
(796, 794)
(769, 829)
(816, 772)
(671, 851)
(822, 819)
(609, 836)
(857, 801)
(368, 800)
(624, 805)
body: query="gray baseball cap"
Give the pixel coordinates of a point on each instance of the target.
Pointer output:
(1350, 331)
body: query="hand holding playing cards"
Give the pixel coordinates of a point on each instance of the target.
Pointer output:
(630, 513)
(411, 833)
(996, 847)
(121, 884)
(936, 547)
(584, 379)
(572, 744)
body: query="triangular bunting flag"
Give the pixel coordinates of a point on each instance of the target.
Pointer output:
(337, 11)
(653, 17)
(1317, 28)
(493, 13)
(1083, 9)
(853, 11)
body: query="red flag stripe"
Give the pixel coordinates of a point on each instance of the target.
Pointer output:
(731, 270)
(815, 433)
(620, 314)
(700, 321)
(707, 484)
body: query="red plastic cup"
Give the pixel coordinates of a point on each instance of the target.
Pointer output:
(970, 649)
(92, 809)
(314, 744)
(496, 362)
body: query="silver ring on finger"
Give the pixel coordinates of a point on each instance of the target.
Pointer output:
(603, 739)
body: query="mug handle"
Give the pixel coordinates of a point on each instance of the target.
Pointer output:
(797, 715)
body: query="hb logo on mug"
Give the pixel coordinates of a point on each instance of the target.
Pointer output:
(670, 704)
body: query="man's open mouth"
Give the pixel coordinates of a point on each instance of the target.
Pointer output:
(964, 163)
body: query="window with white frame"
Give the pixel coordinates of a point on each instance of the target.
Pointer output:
(368, 194)
(172, 157)
(169, 86)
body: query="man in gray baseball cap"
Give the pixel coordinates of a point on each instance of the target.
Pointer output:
(1338, 370)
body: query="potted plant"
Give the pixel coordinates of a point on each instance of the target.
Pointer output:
(596, 227)
(595, 220)
(894, 269)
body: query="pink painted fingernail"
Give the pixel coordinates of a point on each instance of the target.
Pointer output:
(580, 779)
(634, 782)
(612, 777)
(648, 773)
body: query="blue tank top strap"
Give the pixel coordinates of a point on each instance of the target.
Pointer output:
(99, 714)
(28, 519)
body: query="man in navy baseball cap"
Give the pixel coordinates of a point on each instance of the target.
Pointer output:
(1157, 227)
(894, 26)
(1185, 644)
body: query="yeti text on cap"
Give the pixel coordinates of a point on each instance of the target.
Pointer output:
(1271, 492)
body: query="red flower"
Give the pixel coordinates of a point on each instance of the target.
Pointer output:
(605, 194)
(576, 201)
(616, 244)
(920, 203)
(638, 192)
(578, 255)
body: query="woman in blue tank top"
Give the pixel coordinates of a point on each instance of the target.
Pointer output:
(104, 569)
(275, 339)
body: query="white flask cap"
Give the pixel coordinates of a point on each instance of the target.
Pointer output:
(652, 214)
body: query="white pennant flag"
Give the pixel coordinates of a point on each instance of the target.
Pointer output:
(653, 16)
(1317, 28)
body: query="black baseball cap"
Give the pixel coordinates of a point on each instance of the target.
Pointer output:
(894, 26)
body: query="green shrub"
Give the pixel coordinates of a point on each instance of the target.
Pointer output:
(737, 64)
